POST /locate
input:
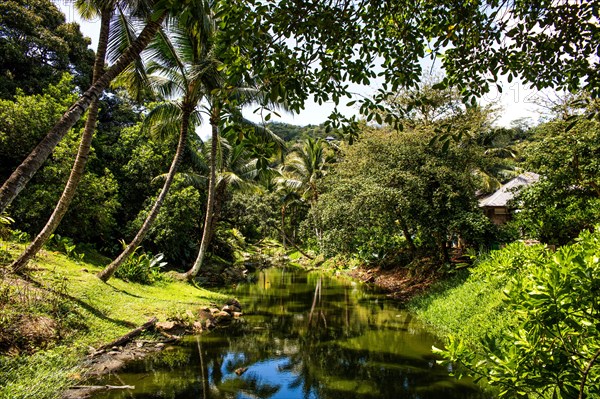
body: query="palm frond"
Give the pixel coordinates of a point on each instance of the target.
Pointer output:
(198, 160)
(164, 120)
(189, 179)
(87, 9)
(164, 87)
(122, 34)
(166, 50)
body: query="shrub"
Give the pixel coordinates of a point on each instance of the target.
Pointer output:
(553, 347)
(143, 268)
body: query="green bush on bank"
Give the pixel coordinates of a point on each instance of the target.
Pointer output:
(525, 319)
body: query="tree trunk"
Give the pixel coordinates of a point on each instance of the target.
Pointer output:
(283, 225)
(207, 232)
(220, 191)
(25, 171)
(441, 242)
(80, 160)
(109, 270)
(407, 236)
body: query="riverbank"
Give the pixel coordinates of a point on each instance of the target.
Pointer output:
(52, 319)
(501, 317)
(400, 283)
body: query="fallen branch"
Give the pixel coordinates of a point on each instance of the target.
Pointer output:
(127, 337)
(170, 337)
(103, 387)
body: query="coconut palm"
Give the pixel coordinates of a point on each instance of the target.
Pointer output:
(306, 164)
(237, 169)
(88, 10)
(25, 171)
(500, 154)
(254, 145)
(182, 63)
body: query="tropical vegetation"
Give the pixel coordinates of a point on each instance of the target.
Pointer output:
(102, 161)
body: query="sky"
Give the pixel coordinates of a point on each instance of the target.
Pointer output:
(516, 100)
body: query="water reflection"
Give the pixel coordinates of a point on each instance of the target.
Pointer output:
(304, 336)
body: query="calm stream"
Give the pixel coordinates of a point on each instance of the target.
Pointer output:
(306, 336)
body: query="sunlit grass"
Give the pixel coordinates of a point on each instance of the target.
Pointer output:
(101, 312)
(468, 307)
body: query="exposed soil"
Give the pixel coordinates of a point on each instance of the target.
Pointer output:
(110, 362)
(400, 283)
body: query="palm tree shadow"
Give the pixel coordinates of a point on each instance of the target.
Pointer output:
(83, 304)
(124, 292)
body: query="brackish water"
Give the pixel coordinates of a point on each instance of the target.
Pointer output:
(303, 336)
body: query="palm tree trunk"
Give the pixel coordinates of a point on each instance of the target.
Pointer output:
(25, 171)
(80, 160)
(220, 191)
(283, 225)
(109, 270)
(207, 232)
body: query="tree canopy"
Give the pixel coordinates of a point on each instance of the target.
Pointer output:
(37, 46)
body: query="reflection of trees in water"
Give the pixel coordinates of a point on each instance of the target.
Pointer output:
(251, 385)
(329, 340)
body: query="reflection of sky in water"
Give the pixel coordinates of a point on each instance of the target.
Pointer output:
(303, 336)
(271, 372)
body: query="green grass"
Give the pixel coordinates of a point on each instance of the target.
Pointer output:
(469, 305)
(90, 313)
(465, 306)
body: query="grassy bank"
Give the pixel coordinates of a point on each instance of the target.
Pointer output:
(524, 318)
(49, 320)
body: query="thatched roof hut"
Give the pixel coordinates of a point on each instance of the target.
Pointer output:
(495, 205)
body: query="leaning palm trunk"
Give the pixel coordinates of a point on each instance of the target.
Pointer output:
(109, 270)
(208, 219)
(80, 160)
(25, 171)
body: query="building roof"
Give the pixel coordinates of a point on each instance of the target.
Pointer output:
(508, 191)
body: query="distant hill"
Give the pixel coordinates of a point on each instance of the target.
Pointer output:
(293, 133)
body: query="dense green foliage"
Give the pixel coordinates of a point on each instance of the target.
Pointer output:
(176, 231)
(567, 200)
(24, 120)
(525, 319)
(400, 186)
(37, 47)
(392, 189)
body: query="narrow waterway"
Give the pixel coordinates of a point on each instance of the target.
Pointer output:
(303, 336)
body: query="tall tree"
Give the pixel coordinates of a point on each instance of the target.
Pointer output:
(105, 11)
(234, 165)
(306, 165)
(38, 46)
(82, 153)
(21, 176)
(181, 63)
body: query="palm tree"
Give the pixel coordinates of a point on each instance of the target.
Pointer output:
(306, 164)
(25, 171)
(499, 157)
(237, 169)
(261, 135)
(87, 10)
(181, 64)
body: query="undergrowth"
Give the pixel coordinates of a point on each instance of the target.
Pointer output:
(524, 319)
(51, 318)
